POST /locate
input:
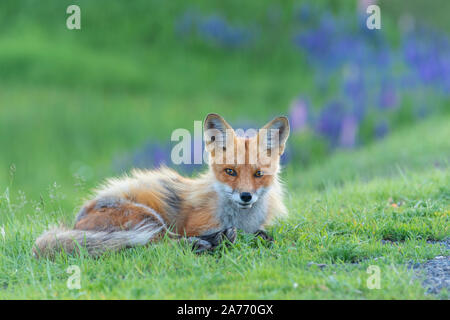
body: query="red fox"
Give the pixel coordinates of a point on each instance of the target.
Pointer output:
(239, 191)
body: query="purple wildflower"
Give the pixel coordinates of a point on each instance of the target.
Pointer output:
(217, 29)
(298, 115)
(318, 42)
(151, 155)
(353, 82)
(349, 130)
(329, 122)
(388, 96)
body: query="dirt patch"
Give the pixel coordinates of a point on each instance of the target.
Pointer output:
(435, 272)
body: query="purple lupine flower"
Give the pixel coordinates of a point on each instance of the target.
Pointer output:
(160, 156)
(334, 42)
(213, 27)
(383, 57)
(411, 50)
(330, 119)
(425, 52)
(151, 155)
(388, 96)
(430, 69)
(318, 41)
(359, 110)
(408, 81)
(353, 82)
(349, 130)
(349, 48)
(313, 41)
(298, 115)
(445, 67)
(354, 89)
(217, 29)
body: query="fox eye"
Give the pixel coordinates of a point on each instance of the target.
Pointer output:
(258, 174)
(230, 172)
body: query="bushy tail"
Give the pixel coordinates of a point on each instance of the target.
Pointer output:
(95, 242)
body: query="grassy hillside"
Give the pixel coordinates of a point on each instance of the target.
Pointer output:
(73, 103)
(384, 195)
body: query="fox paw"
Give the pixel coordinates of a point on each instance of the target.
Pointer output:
(230, 234)
(199, 245)
(263, 235)
(218, 237)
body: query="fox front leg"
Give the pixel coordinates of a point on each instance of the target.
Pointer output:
(199, 245)
(211, 241)
(217, 238)
(263, 235)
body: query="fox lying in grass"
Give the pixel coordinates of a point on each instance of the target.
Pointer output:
(241, 190)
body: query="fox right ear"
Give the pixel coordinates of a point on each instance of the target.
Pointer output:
(215, 130)
(277, 128)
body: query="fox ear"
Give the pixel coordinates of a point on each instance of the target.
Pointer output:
(215, 130)
(275, 134)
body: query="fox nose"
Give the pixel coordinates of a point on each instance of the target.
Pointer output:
(246, 196)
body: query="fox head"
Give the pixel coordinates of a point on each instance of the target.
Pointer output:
(245, 164)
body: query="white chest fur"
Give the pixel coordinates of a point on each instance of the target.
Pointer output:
(230, 215)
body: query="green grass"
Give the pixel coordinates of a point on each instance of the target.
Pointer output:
(340, 223)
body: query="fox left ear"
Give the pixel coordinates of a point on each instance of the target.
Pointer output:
(216, 132)
(276, 132)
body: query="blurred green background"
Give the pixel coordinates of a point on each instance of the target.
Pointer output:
(77, 106)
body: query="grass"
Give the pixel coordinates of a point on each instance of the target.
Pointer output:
(340, 224)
